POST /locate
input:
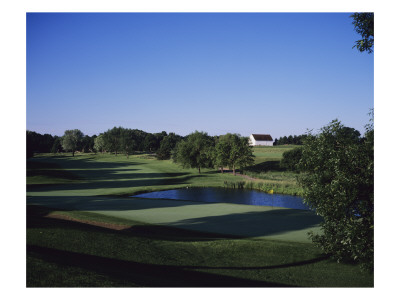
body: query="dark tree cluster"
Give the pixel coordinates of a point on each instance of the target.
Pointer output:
(167, 145)
(199, 150)
(291, 159)
(290, 140)
(39, 143)
(124, 140)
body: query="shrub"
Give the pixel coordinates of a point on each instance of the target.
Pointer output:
(291, 158)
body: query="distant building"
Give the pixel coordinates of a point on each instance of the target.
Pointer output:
(261, 140)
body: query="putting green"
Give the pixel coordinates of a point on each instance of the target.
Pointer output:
(232, 219)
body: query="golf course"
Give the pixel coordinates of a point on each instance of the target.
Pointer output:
(85, 229)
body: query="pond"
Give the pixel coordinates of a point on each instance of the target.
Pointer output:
(236, 196)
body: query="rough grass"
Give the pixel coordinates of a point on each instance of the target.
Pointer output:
(269, 173)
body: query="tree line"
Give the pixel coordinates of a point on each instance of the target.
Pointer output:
(197, 150)
(290, 140)
(115, 140)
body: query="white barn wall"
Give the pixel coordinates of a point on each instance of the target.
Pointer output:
(253, 142)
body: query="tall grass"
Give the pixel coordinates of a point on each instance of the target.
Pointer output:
(264, 186)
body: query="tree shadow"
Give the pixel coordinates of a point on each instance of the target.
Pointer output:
(104, 203)
(265, 166)
(40, 217)
(143, 274)
(92, 174)
(83, 168)
(135, 180)
(258, 223)
(254, 224)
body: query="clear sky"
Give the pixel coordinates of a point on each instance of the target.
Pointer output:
(275, 73)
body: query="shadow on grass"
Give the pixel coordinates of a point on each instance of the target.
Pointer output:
(254, 223)
(265, 166)
(39, 217)
(131, 180)
(126, 273)
(143, 274)
(90, 174)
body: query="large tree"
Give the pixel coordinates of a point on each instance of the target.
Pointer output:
(337, 176)
(127, 142)
(364, 26)
(99, 143)
(112, 139)
(233, 151)
(196, 151)
(150, 142)
(88, 143)
(167, 144)
(71, 140)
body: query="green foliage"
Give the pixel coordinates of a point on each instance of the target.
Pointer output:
(291, 159)
(364, 25)
(56, 148)
(38, 143)
(233, 151)
(71, 140)
(196, 151)
(150, 143)
(290, 140)
(127, 141)
(112, 139)
(338, 180)
(99, 143)
(87, 144)
(167, 144)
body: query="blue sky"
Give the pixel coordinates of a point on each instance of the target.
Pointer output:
(276, 73)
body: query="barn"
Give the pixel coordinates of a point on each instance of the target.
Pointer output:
(261, 140)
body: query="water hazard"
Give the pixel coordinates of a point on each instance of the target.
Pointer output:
(236, 196)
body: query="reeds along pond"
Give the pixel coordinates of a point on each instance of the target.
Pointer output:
(265, 187)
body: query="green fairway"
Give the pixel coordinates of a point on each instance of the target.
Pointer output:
(113, 175)
(263, 153)
(95, 188)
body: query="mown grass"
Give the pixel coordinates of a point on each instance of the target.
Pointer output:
(69, 253)
(105, 174)
(62, 253)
